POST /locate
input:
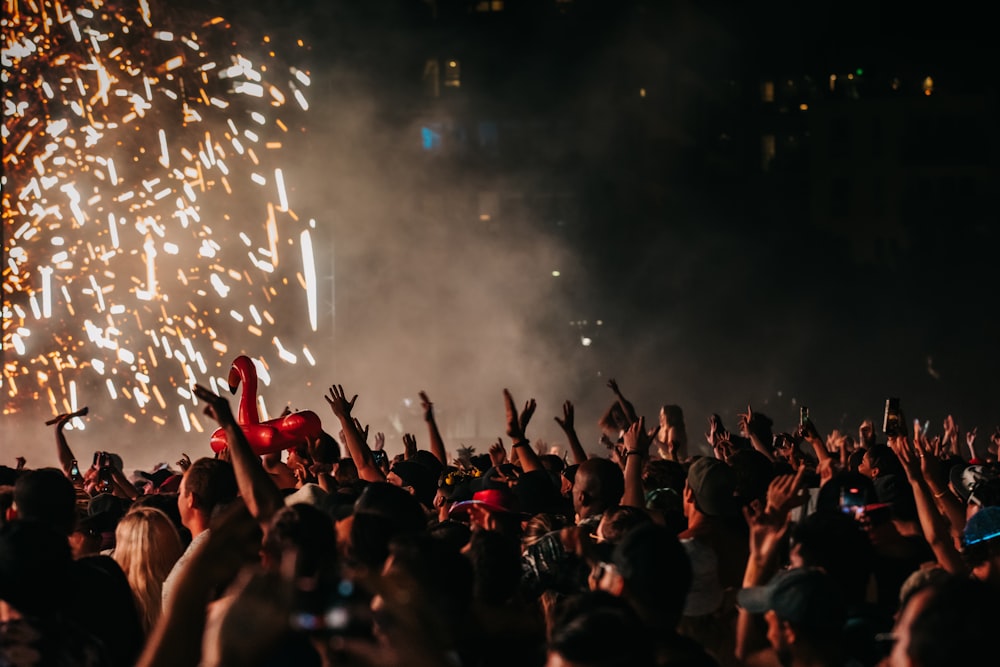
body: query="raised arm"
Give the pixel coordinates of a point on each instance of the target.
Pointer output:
(516, 424)
(637, 442)
(356, 445)
(931, 521)
(257, 489)
(625, 404)
(768, 528)
(437, 442)
(65, 454)
(567, 425)
(746, 421)
(232, 542)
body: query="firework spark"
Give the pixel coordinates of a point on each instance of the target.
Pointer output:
(144, 211)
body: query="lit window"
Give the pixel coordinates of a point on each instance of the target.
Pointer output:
(833, 82)
(432, 78)
(928, 86)
(453, 74)
(768, 149)
(489, 205)
(767, 91)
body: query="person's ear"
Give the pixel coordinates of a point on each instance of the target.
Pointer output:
(688, 493)
(787, 632)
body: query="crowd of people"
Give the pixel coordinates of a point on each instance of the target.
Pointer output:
(796, 548)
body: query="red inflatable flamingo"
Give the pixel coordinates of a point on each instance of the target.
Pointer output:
(273, 435)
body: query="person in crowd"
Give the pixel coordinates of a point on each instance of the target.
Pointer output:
(208, 485)
(146, 547)
(947, 623)
(362, 562)
(805, 615)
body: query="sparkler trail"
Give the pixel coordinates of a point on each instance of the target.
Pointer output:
(149, 230)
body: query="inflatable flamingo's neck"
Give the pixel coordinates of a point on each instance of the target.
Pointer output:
(246, 373)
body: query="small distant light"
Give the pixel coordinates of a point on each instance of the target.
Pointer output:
(803, 107)
(555, 274)
(850, 77)
(452, 63)
(586, 341)
(642, 92)
(484, 216)
(859, 71)
(599, 322)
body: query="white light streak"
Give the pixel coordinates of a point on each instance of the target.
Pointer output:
(309, 275)
(279, 181)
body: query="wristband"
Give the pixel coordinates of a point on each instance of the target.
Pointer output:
(521, 443)
(632, 452)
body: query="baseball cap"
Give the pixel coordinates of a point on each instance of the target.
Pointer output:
(965, 478)
(714, 485)
(494, 500)
(807, 597)
(982, 527)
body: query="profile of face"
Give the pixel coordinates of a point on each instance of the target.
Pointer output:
(899, 657)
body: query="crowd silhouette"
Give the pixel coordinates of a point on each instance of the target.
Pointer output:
(798, 547)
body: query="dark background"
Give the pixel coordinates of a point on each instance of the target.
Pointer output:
(621, 143)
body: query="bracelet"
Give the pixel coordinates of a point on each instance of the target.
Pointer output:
(939, 495)
(521, 443)
(632, 452)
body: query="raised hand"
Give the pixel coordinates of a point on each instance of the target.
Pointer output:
(338, 402)
(184, 462)
(427, 406)
(566, 423)
(744, 419)
(866, 433)
(514, 429)
(217, 407)
(716, 431)
(636, 439)
(498, 453)
(786, 493)
(21, 462)
(362, 432)
(62, 419)
(409, 445)
(767, 530)
(970, 440)
(379, 441)
(529, 410)
(951, 433)
(613, 385)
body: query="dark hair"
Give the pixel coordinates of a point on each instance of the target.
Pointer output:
(584, 625)
(212, 482)
(307, 530)
(883, 458)
(35, 568)
(663, 474)
(754, 473)
(48, 496)
(954, 625)
(657, 573)
(603, 481)
(382, 512)
(326, 449)
(496, 565)
(836, 542)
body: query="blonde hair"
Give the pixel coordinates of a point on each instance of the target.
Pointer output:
(147, 545)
